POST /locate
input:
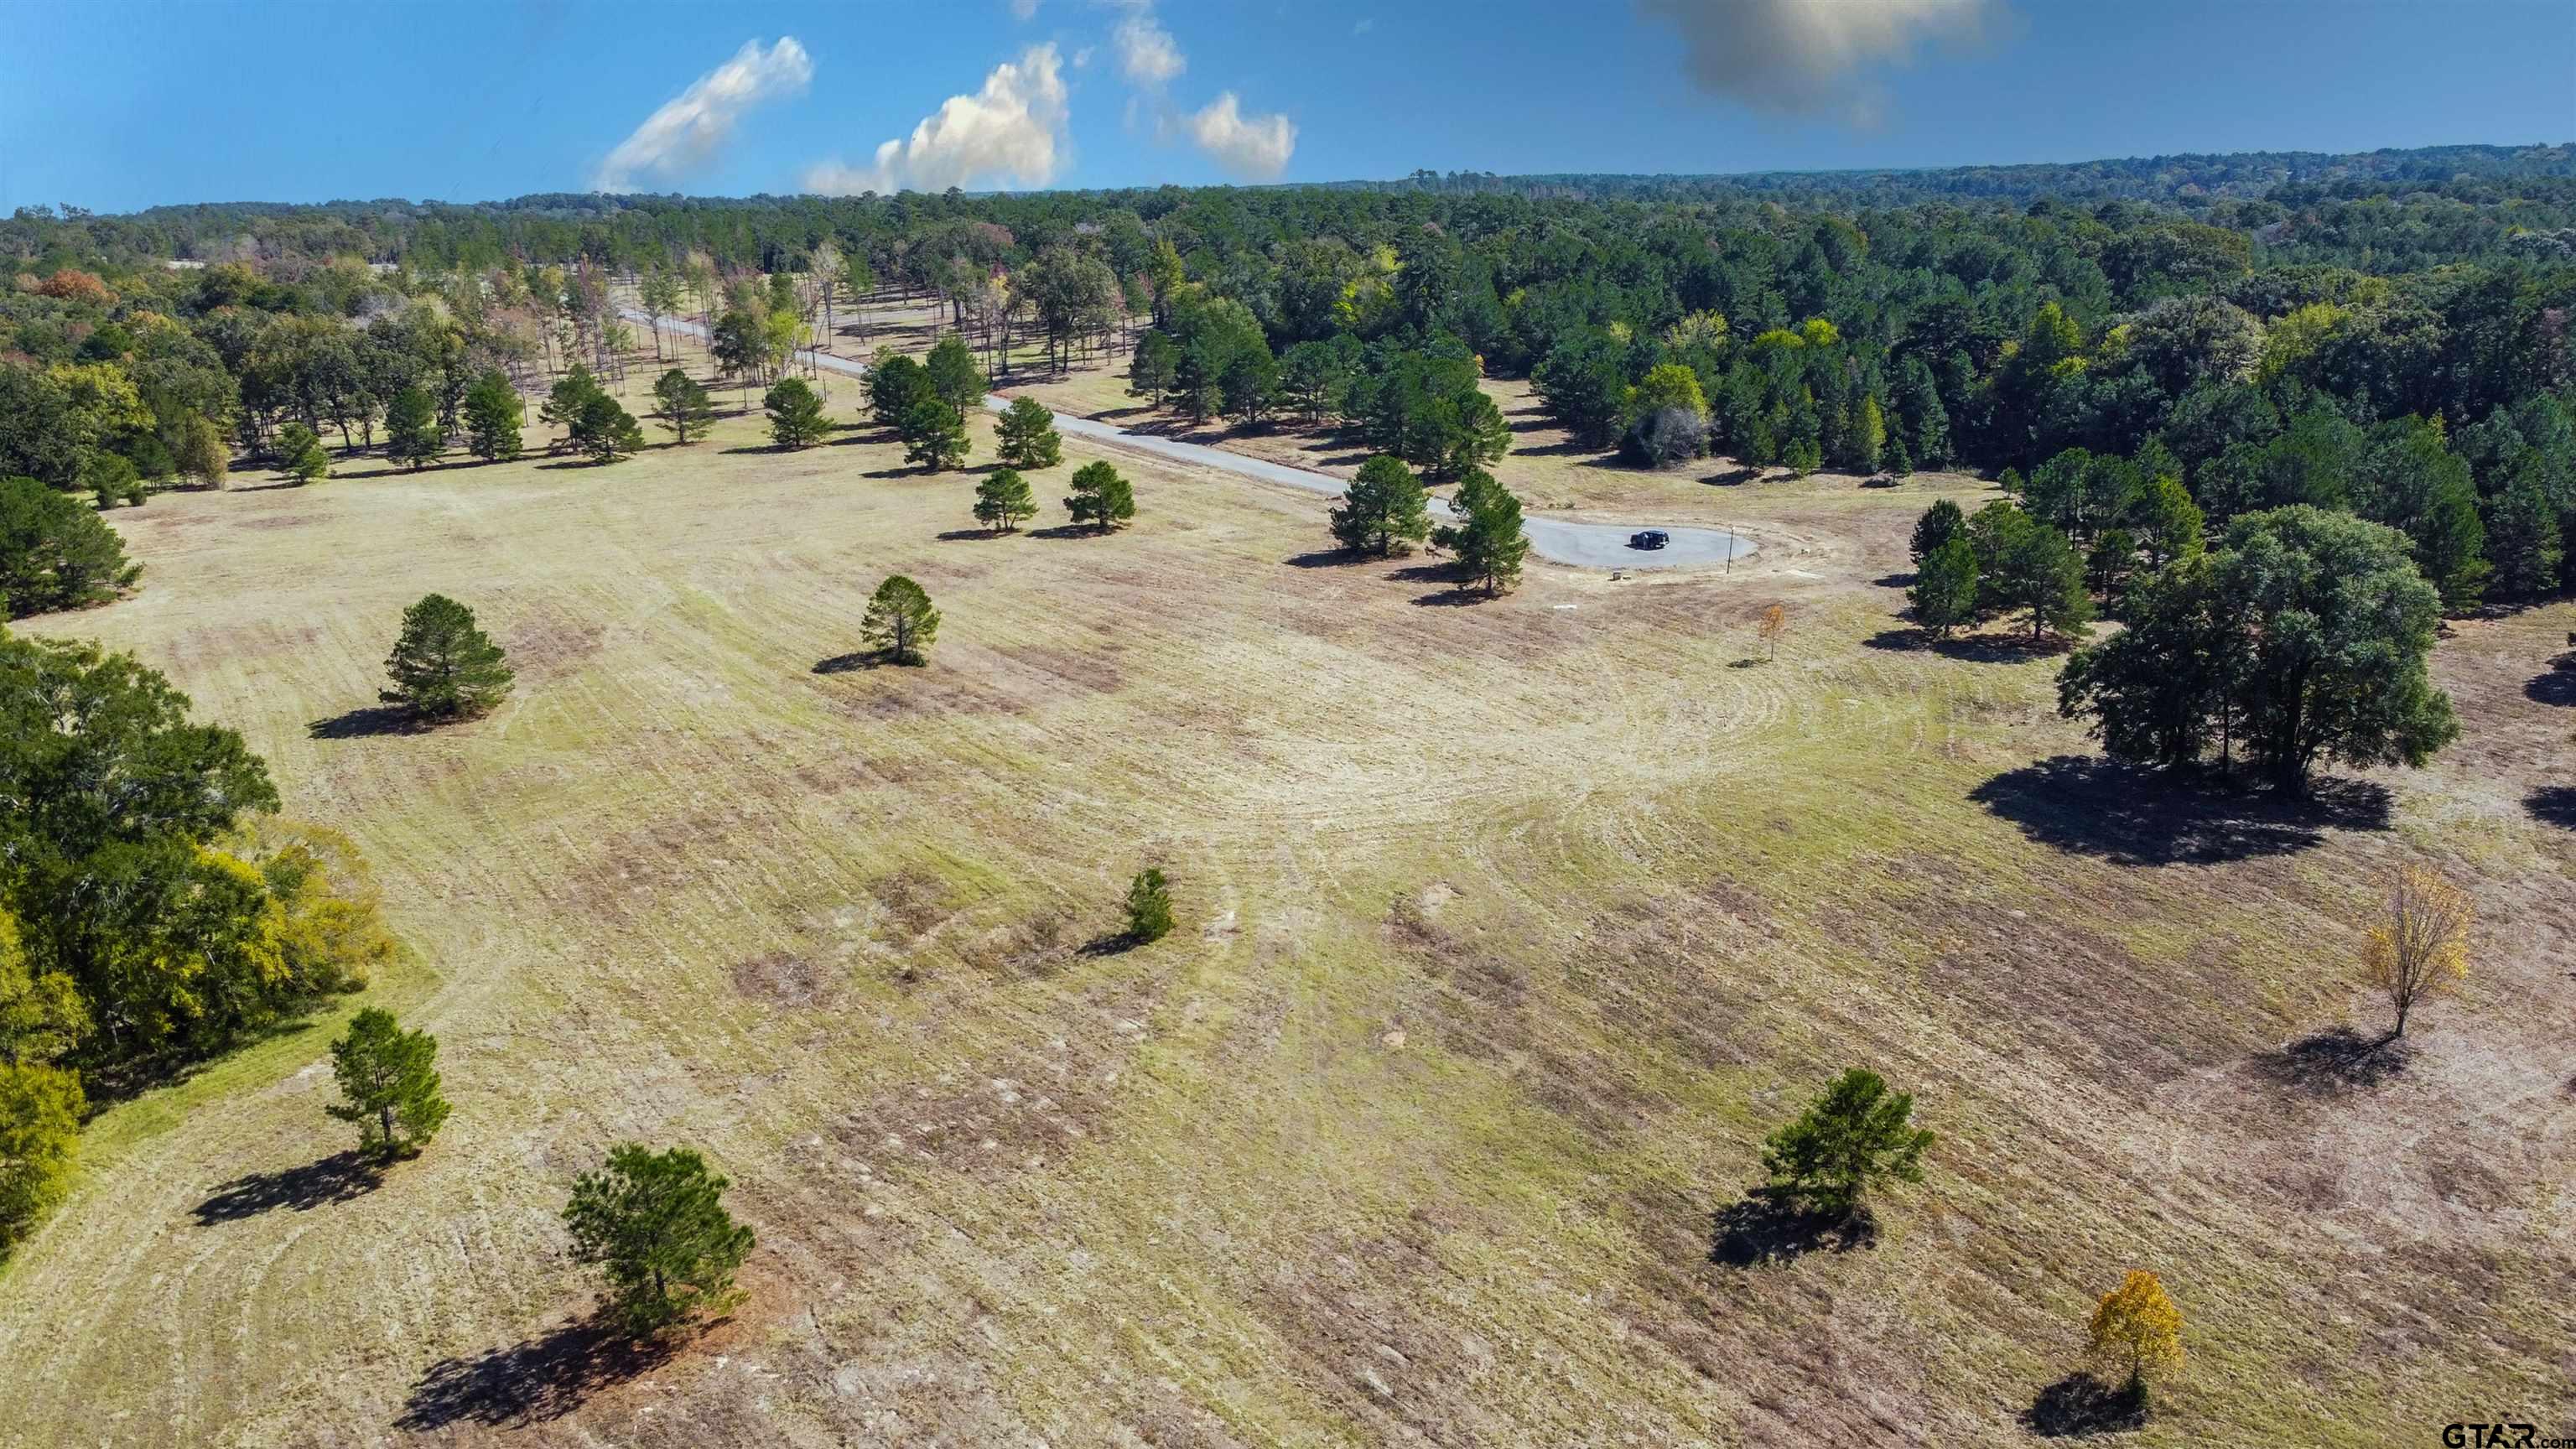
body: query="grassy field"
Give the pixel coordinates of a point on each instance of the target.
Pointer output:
(1506, 932)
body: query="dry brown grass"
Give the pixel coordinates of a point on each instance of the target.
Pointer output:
(1506, 933)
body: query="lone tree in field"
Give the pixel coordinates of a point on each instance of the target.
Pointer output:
(2135, 1334)
(1003, 501)
(2421, 944)
(1945, 586)
(895, 384)
(1385, 510)
(1026, 436)
(389, 1077)
(934, 435)
(1775, 622)
(1100, 497)
(1488, 538)
(1856, 1135)
(681, 403)
(1148, 907)
(413, 437)
(443, 667)
(300, 455)
(655, 1225)
(494, 414)
(796, 417)
(900, 621)
(603, 429)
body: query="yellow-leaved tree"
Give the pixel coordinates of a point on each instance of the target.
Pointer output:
(2136, 1332)
(2421, 944)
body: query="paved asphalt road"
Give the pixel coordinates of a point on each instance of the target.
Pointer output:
(1585, 545)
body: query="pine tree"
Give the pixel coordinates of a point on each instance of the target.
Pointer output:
(1853, 1137)
(1003, 501)
(300, 455)
(1869, 435)
(681, 403)
(1385, 510)
(655, 1224)
(900, 621)
(954, 377)
(1100, 497)
(796, 418)
(1945, 586)
(1148, 907)
(1026, 436)
(1488, 538)
(389, 1079)
(1939, 524)
(444, 667)
(412, 436)
(603, 429)
(934, 436)
(493, 415)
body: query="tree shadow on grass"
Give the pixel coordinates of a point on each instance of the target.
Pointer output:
(1769, 1225)
(959, 535)
(2338, 1059)
(341, 1177)
(2555, 686)
(863, 659)
(1976, 648)
(367, 720)
(2133, 816)
(533, 1382)
(1112, 943)
(1068, 530)
(1329, 558)
(2553, 805)
(2080, 1405)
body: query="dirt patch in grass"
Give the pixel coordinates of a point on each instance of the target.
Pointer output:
(783, 978)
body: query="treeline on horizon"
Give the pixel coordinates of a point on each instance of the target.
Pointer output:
(2368, 336)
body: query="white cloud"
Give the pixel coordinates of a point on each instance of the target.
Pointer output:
(1799, 55)
(1146, 51)
(1254, 147)
(691, 127)
(1025, 9)
(1364, 25)
(1012, 129)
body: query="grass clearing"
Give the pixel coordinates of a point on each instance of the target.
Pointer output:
(1505, 932)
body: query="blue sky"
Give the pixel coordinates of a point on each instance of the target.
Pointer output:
(123, 106)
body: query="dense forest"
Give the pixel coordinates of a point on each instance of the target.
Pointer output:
(2384, 334)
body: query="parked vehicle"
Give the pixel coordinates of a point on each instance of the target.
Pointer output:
(1649, 538)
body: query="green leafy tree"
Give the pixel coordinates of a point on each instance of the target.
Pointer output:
(2025, 564)
(40, 1115)
(1251, 386)
(494, 414)
(198, 449)
(682, 405)
(1855, 1136)
(55, 551)
(655, 1225)
(1155, 368)
(1026, 436)
(2304, 639)
(1003, 501)
(565, 401)
(443, 666)
(900, 621)
(934, 436)
(796, 418)
(1385, 510)
(604, 429)
(300, 455)
(2166, 523)
(413, 437)
(1100, 497)
(1487, 537)
(1945, 586)
(111, 480)
(2525, 537)
(954, 377)
(1148, 907)
(388, 1084)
